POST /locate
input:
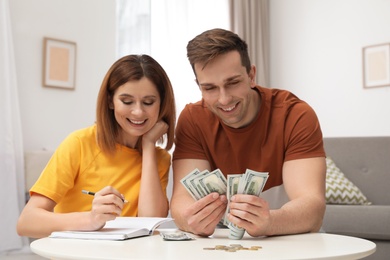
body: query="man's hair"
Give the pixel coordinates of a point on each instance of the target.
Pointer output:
(212, 43)
(132, 68)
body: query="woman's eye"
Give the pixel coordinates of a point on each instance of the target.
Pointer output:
(127, 102)
(149, 103)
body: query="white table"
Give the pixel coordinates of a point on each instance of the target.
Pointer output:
(304, 246)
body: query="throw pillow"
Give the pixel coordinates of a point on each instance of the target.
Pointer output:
(339, 189)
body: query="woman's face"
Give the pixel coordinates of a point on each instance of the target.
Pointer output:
(136, 107)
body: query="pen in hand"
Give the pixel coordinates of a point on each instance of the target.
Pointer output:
(93, 194)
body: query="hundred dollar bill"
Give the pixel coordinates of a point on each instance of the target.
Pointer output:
(186, 183)
(251, 182)
(214, 181)
(233, 180)
(195, 183)
(254, 182)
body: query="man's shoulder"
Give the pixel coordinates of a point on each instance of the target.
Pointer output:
(281, 98)
(196, 110)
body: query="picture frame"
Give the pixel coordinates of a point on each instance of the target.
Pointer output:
(59, 63)
(376, 65)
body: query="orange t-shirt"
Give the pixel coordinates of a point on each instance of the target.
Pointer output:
(286, 128)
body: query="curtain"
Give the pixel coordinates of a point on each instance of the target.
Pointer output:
(11, 145)
(250, 20)
(133, 27)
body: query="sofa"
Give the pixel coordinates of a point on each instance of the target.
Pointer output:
(365, 161)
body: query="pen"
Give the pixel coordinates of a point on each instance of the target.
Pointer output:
(93, 194)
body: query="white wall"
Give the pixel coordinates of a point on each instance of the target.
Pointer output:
(316, 52)
(49, 114)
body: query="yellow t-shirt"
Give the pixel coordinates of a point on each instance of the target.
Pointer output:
(78, 163)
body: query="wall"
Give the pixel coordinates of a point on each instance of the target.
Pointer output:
(316, 52)
(49, 114)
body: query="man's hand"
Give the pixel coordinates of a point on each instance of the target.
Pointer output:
(204, 215)
(251, 213)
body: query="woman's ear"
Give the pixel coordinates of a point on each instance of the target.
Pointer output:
(110, 104)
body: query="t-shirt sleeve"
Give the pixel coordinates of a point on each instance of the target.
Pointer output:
(303, 136)
(60, 172)
(188, 142)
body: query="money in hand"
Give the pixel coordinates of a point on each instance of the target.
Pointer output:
(199, 184)
(252, 183)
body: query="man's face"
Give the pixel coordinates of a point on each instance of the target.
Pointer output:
(227, 89)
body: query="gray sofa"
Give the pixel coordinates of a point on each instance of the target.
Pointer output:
(366, 162)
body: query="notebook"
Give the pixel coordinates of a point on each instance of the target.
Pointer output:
(119, 229)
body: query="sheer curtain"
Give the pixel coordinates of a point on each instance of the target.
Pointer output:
(11, 145)
(250, 20)
(133, 29)
(172, 23)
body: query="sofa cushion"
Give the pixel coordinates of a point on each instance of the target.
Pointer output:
(365, 161)
(339, 189)
(370, 222)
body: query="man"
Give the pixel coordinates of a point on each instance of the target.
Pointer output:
(237, 126)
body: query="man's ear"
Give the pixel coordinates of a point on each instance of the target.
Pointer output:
(252, 75)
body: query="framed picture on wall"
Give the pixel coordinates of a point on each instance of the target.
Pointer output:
(376, 65)
(59, 63)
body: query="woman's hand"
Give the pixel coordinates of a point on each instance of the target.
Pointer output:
(154, 134)
(106, 205)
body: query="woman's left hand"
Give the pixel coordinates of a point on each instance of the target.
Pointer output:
(157, 131)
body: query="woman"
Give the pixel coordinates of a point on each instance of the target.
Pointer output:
(117, 158)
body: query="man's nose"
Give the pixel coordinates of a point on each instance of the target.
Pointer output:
(224, 97)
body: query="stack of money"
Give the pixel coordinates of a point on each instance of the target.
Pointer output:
(199, 184)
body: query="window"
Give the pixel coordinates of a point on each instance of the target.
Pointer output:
(162, 29)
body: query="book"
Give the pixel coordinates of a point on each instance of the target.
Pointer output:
(121, 228)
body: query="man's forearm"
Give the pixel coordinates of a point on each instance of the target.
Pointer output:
(297, 217)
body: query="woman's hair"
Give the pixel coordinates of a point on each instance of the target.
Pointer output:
(132, 68)
(212, 43)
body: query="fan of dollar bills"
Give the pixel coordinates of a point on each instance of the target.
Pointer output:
(199, 184)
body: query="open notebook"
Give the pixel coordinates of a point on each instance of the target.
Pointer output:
(119, 229)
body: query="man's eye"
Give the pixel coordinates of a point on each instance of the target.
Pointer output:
(209, 88)
(233, 83)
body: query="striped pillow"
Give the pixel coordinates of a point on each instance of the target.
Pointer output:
(340, 190)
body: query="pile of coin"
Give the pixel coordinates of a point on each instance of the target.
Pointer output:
(232, 248)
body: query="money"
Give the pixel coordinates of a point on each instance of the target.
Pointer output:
(232, 248)
(252, 183)
(199, 184)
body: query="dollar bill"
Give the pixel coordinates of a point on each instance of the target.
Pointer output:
(200, 184)
(186, 183)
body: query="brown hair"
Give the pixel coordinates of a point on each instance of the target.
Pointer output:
(129, 68)
(209, 44)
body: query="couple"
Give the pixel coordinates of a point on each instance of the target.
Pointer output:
(237, 125)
